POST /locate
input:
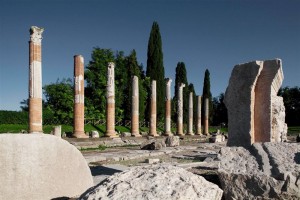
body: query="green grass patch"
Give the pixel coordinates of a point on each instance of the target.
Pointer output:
(99, 148)
(294, 130)
(122, 129)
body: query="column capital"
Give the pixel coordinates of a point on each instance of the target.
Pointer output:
(111, 65)
(36, 34)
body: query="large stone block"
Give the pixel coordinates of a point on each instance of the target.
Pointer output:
(40, 166)
(255, 112)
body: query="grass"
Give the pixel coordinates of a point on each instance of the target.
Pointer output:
(294, 130)
(99, 148)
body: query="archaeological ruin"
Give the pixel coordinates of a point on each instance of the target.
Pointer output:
(255, 112)
(35, 80)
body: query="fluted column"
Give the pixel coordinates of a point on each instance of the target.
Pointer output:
(153, 112)
(190, 125)
(35, 80)
(198, 126)
(180, 110)
(135, 108)
(78, 126)
(168, 108)
(110, 101)
(206, 117)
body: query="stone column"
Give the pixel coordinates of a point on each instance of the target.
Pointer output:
(135, 108)
(110, 101)
(35, 80)
(190, 125)
(78, 126)
(180, 110)
(168, 108)
(206, 116)
(152, 131)
(198, 127)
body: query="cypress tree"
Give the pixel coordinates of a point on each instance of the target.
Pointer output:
(180, 77)
(206, 94)
(155, 68)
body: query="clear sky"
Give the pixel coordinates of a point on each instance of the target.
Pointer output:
(209, 34)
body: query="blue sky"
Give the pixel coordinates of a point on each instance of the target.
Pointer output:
(209, 34)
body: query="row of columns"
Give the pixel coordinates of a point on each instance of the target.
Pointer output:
(35, 98)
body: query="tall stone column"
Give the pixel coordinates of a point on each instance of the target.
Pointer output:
(153, 112)
(180, 110)
(190, 125)
(198, 126)
(168, 108)
(110, 101)
(35, 80)
(206, 117)
(78, 126)
(135, 108)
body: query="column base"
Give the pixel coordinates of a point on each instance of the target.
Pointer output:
(136, 135)
(153, 134)
(111, 135)
(80, 135)
(180, 134)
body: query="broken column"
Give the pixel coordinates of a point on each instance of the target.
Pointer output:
(254, 109)
(152, 131)
(180, 110)
(35, 80)
(78, 127)
(135, 108)
(198, 126)
(190, 125)
(110, 101)
(168, 107)
(206, 116)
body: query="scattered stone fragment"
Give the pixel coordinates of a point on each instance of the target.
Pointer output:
(172, 141)
(153, 144)
(152, 160)
(154, 182)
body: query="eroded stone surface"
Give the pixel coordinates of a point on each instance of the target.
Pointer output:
(154, 182)
(41, 166)
(271, 171)
(255, 112)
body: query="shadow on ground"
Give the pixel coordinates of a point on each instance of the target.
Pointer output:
(101, 170)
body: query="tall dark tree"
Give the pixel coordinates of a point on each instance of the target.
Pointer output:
(180, 77)
(220, 111)
(207, 94)
(155, 68)
(291, 100)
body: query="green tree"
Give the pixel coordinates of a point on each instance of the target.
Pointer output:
(155, 68)
(95, 76)
(291, 99)
(180, 77)
(59, 100)
(207, 94)
(220, 111)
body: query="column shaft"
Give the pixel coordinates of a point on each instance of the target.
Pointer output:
(190, 125)
(135, 108)
(110, 101)
(78, 126)
(35, 120)
(152, 131)
(206, 117)
(198, 128)
(180, 110)
(168, 108)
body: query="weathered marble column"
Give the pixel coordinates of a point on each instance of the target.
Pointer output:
(153, 112)
(198, 126)
(135, 108)
(180, 110)
(78, 126)
(110, 101)
(190, 125)
(206, 117)
(35, 80)
(168, 108)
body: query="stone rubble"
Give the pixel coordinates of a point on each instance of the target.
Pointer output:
(154, 182)
(266, 171)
